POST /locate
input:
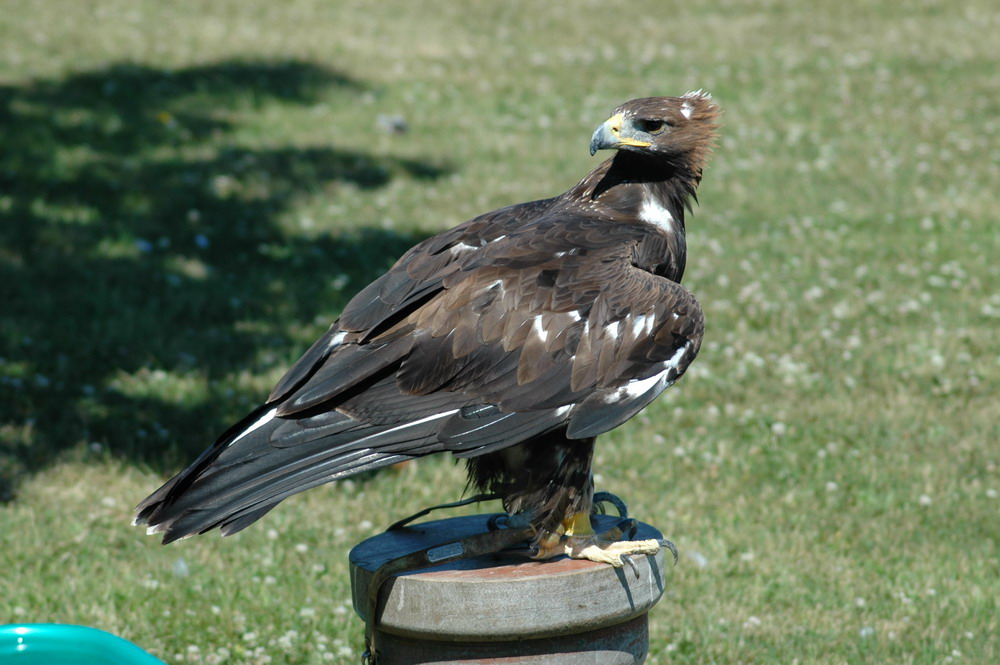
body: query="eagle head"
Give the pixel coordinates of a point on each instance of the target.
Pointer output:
(665, 126)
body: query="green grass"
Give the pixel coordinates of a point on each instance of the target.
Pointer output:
(190, 192)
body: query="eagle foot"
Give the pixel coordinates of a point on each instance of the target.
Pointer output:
(611, 547)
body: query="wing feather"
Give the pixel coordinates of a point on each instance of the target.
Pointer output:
(477, 339)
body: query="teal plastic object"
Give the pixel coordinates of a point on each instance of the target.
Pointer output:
(61, 644)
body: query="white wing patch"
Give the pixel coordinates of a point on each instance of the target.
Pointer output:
(639, 387)
(675, 360)
(462, 248)
(658, 382)
(265, 419)
(654, 213)
(540, 332)
(404, 426)
(642, 325)
(337, 339)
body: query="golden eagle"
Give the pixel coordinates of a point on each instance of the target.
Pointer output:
(511, 340)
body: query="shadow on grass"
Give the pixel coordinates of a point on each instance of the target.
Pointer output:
(139, 238)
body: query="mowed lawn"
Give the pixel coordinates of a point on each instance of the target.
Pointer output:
(190, 192)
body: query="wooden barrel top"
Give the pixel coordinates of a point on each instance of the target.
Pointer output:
(501, 597)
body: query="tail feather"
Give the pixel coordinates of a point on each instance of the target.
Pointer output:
(247, 472)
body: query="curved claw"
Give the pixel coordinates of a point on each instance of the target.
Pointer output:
(627, 558)
(670, 546)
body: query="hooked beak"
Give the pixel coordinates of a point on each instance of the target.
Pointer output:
(610, 135)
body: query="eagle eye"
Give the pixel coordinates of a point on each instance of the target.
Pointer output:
(651, 126)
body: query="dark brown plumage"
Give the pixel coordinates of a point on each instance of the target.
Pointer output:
(512, 340)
